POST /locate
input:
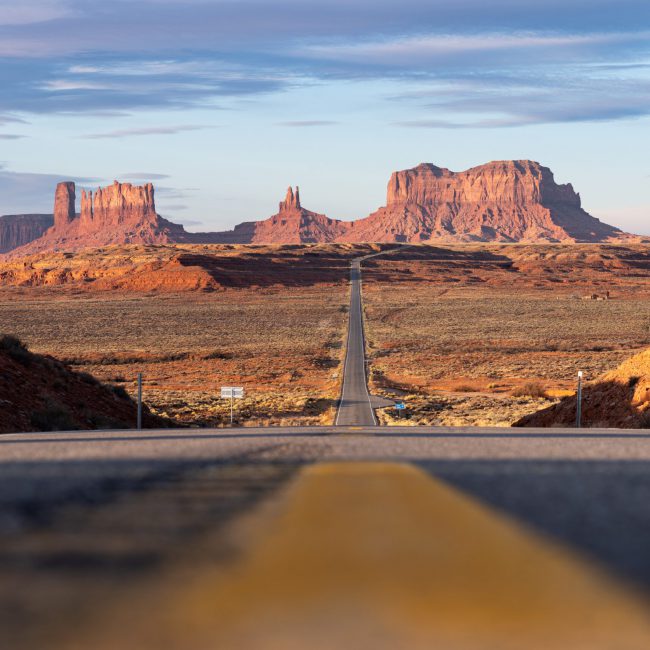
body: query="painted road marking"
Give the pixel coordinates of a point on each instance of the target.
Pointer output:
(381, 555)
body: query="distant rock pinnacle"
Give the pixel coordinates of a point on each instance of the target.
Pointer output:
(292, 201)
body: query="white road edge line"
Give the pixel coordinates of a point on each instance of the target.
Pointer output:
(345, 361)
(360, 261)
(363, 344)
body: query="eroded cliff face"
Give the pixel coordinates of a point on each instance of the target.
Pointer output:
(293, 224)
(501, 201)
(117, 205)
(507, 183)
(119, 214)
(292, 201)
(507, 201)
(19, 229)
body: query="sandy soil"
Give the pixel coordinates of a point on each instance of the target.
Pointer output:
(456, 331)
(283, 346)
(452, 330)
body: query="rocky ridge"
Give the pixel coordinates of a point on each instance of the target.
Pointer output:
(506, 201)
(292, 224)
(20, 229)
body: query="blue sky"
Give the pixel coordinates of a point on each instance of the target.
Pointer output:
(223, 103)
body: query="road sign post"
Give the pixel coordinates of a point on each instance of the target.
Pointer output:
(139, 401)
(579, 402)
(401, 407)
(232, 393)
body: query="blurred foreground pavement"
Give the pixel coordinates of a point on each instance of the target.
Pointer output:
(325, 538)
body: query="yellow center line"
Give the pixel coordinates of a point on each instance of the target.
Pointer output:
(381, 555)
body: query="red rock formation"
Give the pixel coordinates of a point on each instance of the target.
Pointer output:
(292, 201)
(19, 229)
(64, 205)
(117, 205)
(500, 201)
(293, 224)
(118, 214)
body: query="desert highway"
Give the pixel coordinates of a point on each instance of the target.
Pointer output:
(356, 405)
(345, 536)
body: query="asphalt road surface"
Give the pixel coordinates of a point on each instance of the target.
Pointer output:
(377, 537)
(356, 405)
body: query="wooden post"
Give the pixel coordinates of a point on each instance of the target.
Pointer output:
(139, 401)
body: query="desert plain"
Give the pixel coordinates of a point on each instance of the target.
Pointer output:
(464, 334)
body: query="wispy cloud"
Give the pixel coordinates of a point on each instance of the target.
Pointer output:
(416, 50)
(119, 85)
(28, 12)
(25, 192)
(11, 119)
(58, 85)
(488, 102)
(307, 123)
(11, 136)
(60, 58)
(152, 130)
(144, 176)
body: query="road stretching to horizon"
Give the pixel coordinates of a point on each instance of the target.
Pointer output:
(344, 536)
(356, 405)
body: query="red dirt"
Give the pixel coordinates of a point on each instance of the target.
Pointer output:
(39, 393)
(620, 398)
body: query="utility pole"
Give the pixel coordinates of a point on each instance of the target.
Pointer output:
(579, 402)
(139, 401)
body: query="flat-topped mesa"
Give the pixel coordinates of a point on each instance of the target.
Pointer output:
(118, 204)
(508, 182)
(511, 200)
(292, 201)
(19, 229)
(64, 204)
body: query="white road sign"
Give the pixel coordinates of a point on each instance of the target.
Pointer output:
(232, 392)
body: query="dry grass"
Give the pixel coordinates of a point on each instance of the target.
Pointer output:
(530, 389)
(461, 332)
(283, 346)
(438, 328)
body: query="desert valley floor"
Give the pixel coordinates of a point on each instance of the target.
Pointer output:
(477, 334)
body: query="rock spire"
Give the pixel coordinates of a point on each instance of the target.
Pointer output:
(291, 201)
(64, 204)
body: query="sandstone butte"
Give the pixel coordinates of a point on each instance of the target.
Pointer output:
(507, 201)
(503, 201)
(292, 224)
(118, 214)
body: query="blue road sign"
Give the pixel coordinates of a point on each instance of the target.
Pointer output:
(400, 406)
